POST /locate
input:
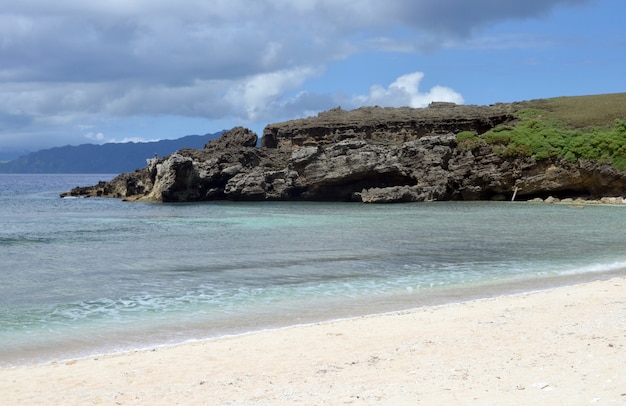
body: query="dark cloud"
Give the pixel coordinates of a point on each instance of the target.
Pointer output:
(459, 18)
(68, 61)
(13, 121)
(148, 42)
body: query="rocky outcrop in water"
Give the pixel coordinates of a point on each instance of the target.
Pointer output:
(373, 155)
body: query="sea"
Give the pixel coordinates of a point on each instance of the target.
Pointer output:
(80, 277)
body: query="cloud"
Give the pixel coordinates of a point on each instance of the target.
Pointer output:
(178, 44)
(258, 95)
(404, 91)
(98, 137)
(453, 18)
(69, 62)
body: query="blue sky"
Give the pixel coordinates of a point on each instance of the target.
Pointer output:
(75, 72)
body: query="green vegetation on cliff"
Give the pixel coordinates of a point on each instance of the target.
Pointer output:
(572, 128)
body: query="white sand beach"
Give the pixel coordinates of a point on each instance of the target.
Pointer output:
(560, 346)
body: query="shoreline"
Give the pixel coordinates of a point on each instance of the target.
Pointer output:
(354, 309)
(563, 344)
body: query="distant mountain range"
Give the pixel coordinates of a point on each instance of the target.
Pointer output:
(105, 158)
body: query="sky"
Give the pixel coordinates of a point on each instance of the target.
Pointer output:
(75, 72)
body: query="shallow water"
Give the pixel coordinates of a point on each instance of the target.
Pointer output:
(85, 276)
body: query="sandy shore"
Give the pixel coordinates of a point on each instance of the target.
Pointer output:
(561, 346)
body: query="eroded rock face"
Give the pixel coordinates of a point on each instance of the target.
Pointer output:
(384, 125)
(371, 155)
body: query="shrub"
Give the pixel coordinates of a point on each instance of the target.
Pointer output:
(536, 134)
(468, 140)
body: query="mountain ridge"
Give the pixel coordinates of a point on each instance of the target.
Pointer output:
(104, 158)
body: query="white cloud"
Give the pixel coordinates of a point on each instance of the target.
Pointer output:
(132, 139)
(259, 95)
(98, 137)
(405, 91)
(163, 42)
(66, 62)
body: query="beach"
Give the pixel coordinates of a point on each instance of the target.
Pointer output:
(559, 346)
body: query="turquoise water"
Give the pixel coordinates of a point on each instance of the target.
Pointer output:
(87, 276)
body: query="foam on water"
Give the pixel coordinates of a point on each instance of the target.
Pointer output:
(85, 276)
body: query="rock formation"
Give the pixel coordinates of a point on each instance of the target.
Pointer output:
(371, 154)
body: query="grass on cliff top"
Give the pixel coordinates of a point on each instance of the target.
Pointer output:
(571, 128)
(583, 111)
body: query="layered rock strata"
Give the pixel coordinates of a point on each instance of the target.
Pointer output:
(373, 155)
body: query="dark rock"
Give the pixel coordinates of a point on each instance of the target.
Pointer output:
(372, 154)
(384, 125)
(238, 137)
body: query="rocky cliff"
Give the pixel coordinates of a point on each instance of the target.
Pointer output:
(370, 154)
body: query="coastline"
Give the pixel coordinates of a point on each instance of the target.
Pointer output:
(563, 344)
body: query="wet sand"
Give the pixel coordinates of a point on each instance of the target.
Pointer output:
(559, 346)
